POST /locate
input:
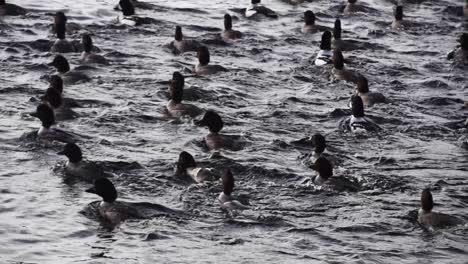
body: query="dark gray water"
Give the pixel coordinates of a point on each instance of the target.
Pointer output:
(272, 95)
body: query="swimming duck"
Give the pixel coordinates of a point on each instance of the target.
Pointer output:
(109, 210)
(229, 33)
(339, 70)
(309, 22)
(319, 143)
(188, 168)
(324, 170)
(128, 16)
(337, 43)
(46, 132)
(325, 54)
(175, 107)
(225, 197)
(398, 22)
(460, 55)
(11, 9)
(256, 8)
(202, 68)
(63, 69)
(184, 45)
(87, 56)
(53, 98)
(137, 4)
(427, 218)
(368, 98)
(61, 45)
(358, 123)
(56, 82)
(76, 166)
(214, 140)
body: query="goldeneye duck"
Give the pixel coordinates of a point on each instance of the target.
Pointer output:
(358, 123)
(128, 16)
(88, 56)
(175, 107)
(350, 7)
(460, 55)
(61, 45)
(225, 197)
(319, 143)
(214, 140)
(46, 132)
(77, 167)
(337, 41)
(11, 9)
(56, 82)
(324, 170)
(339, 70)
(53, 98)
(202, 68)
(63, 68)
(398, 22)
(368, 98)
(109, 211)
(184, 45)
(188, 168)
(309, 20)
(325, 54)
(427, 218)
(229, 33)
(256, 8)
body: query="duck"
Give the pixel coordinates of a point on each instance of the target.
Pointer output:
(368, 98)
(87, 56)
(339, 70)
(184, 45)
(61, 45)
(319, 143)
(128, 16)
(53, 98)
(48, 133)
(325, 54)
(214, 140)
(77, 167)
(324, 171)
(56, 83)
(203, 67)
(188, 168)
(229, 33)
(358, 122)
(225, 197)
(430, 219)
(337, 42)
(69, 76)
(175, 107)
(309, 22)
(460, 55)
(398, 21)
(256, 8)
(350, 7)
(7, 9)
(109, 210)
